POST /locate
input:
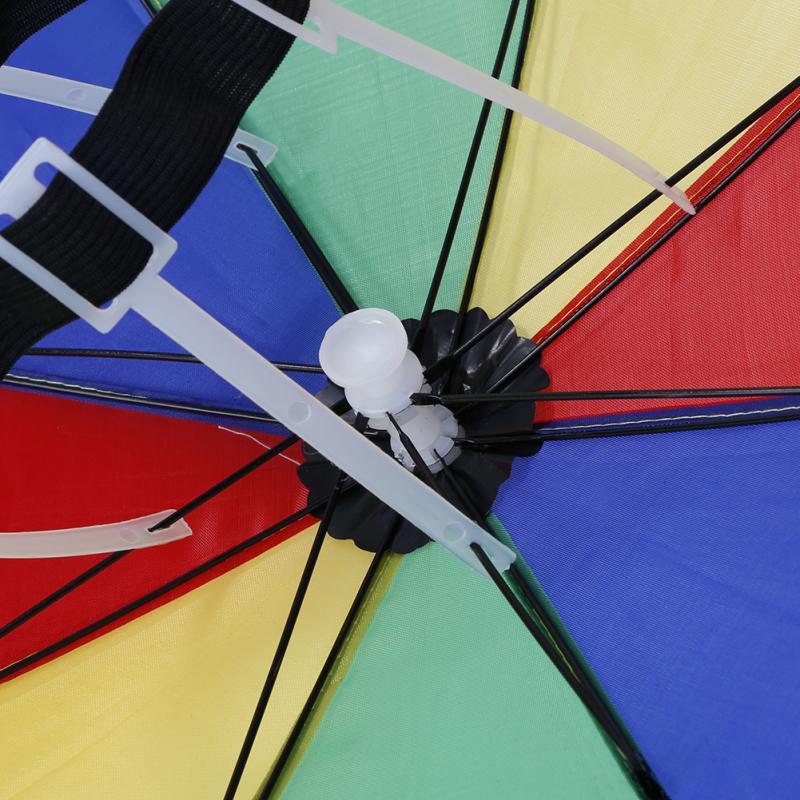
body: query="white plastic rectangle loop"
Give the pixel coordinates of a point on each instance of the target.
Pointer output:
(20, 189)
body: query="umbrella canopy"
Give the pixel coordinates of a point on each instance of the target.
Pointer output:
(667, 555)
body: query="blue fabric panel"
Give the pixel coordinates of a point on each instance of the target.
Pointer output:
(236, 257)
(88, 44)
(673, 560)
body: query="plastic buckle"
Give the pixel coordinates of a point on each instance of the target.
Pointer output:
(20, 189)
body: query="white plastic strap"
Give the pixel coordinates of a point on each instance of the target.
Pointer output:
(333, 21)
(131, 535)
(89, 99)
(200, 334)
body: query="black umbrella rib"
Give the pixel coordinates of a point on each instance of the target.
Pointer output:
(573, 674)
(700, 423)
(563, 650)
(112, 559)
(554, 434)
(635, 762)
(494, 183)
(149, 355)
(421, 467)
(555, 645)
(229, 480)
(171, 519)
(665, 237)
(148, 5)
(61, 592)
(438, 367)
(179, 514)
(283, 642)
(288, 630)
(611, 394)
(70, 390)
(293, 738)
(225, 483)
(317, 258)
(466, 178)
(34, 658)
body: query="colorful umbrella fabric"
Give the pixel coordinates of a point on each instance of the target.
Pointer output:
(651, 504)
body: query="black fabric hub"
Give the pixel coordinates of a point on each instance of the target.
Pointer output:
(362, 517)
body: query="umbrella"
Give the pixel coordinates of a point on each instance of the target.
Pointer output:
(669, 561)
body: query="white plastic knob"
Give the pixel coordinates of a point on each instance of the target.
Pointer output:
(366, 353)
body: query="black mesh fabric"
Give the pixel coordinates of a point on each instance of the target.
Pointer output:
(20, 19)
(157, 141)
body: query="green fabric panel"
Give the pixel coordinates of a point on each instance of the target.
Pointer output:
(371, 152)
(448, 696)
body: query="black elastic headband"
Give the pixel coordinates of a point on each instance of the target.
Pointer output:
(157, 141)
(20, 19)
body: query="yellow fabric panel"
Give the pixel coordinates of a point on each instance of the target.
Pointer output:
(664, 79)
(158, 708)
(380, 584)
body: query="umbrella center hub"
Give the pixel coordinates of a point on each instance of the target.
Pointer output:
(366, 353)
(366, 356)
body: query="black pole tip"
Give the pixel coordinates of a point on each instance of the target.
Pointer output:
(650, 786)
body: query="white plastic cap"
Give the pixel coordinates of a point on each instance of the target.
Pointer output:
(366, 353)
(364, 346)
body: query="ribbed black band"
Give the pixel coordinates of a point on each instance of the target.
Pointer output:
(157, 141)
(20, 19)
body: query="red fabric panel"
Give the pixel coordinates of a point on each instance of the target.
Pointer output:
(69, 463)
(717, 305)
